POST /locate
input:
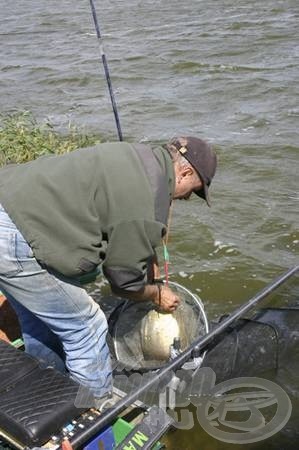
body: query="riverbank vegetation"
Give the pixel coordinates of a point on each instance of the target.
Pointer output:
(23, 139)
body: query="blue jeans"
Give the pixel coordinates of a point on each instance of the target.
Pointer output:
(61, 325)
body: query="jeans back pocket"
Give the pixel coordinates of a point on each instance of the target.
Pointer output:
(14, 252)
(9, 264)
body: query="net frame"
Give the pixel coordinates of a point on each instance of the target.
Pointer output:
(116, 333)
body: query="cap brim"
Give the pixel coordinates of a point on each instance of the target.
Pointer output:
(204, 193)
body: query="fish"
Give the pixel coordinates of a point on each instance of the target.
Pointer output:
(158, 331)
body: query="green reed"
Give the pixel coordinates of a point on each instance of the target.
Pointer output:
(23, 139)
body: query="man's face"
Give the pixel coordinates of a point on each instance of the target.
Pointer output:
(187, 181)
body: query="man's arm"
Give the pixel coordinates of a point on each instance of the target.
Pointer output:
(130, 253)
(159, 294)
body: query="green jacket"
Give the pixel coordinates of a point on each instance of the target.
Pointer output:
(103, 204)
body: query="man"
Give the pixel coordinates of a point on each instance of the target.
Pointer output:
(62, 216)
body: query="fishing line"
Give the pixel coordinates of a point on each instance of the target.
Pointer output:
(106, 69)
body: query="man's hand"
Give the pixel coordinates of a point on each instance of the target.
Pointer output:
(160, 294)
(167, 300)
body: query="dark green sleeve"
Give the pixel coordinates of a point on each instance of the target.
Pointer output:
(131, 248)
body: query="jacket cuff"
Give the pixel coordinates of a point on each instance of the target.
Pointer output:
(127, 279)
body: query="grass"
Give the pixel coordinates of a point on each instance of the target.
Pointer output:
(23, 139)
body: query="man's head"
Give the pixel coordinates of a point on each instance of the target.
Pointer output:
(194, 164)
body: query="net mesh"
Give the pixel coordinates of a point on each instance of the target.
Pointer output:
(142, 335)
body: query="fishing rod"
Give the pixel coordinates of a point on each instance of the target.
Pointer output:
(106, 69)
(106, 417)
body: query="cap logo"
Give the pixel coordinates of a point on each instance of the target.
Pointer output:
(183, 150)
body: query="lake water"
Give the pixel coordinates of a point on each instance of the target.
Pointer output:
(224, 70)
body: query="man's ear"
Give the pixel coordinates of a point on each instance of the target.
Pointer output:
(186, 171)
